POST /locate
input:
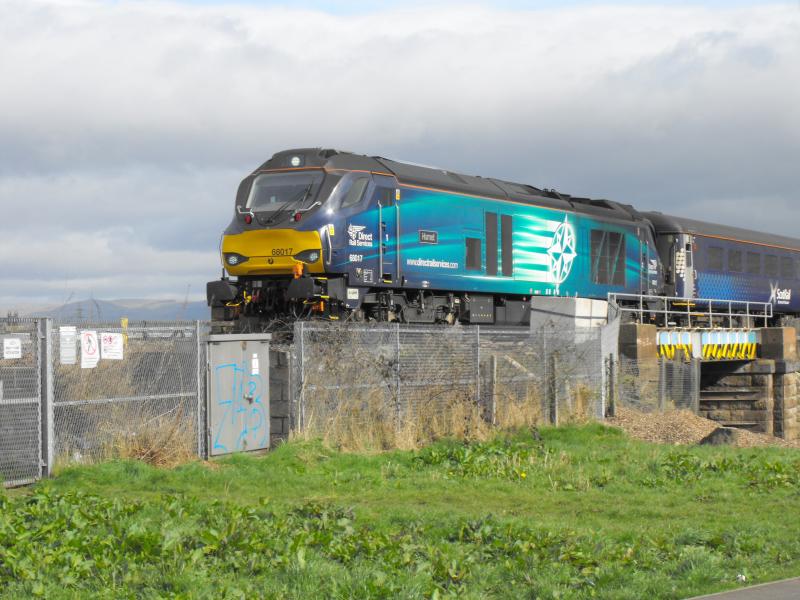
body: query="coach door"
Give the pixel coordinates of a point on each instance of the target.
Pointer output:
(385, 196)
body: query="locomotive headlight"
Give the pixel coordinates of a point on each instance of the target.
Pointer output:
(233, 259)
(307, 256)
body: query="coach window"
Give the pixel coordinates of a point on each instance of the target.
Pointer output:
(715, 258)
(753, 263)
(735, 261)
(355, 193)
(787, 268)
(474, 254)
(771, 265)
(608, 257)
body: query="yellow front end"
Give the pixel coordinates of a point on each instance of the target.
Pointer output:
(271, 251)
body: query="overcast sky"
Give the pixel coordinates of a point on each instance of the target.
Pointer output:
(126, 126)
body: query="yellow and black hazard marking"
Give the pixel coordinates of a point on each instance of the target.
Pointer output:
(730, 345)
(712, 345)
(674, 345)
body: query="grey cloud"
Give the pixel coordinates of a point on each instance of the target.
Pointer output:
(142, 117)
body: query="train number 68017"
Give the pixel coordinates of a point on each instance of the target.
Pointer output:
(281, 252)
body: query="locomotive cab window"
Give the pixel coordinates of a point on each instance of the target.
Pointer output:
(355, 193)
(474, 254)
(715, 258)
(608, 257)
(274, 191)
(384, 196)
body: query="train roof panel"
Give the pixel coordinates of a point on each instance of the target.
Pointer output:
(442, 179)
(665, 224)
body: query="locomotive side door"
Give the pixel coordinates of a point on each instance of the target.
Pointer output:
(644, 262)
(388, 227)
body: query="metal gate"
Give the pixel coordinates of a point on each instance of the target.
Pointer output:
(21, 360)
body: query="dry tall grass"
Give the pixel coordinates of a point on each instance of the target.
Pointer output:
(157, 437)
(369, 422)
(104, 421)
(162, 440)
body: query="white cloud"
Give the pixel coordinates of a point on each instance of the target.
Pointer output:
(145, 115)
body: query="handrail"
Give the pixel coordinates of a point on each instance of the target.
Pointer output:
(666, 305)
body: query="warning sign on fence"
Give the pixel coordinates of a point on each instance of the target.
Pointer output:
(12, 348)
(68, 345)
(111, 346)
(90, 350)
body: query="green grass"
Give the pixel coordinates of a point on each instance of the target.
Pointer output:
(583, 512)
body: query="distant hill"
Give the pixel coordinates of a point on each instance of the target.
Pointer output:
(135, 310)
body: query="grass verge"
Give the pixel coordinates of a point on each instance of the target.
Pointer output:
(576, 512)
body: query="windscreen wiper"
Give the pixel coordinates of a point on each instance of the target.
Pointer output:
(286, 205)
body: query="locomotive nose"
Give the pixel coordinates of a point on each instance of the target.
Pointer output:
(271, 252)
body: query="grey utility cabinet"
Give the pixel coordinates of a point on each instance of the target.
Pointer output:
(238, 393)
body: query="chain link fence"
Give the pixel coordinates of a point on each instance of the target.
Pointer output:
(389, 385)
(655, 385)
(20, 405)
(77, 392)
(145, 402)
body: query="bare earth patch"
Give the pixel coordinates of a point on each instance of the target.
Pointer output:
(681, 427)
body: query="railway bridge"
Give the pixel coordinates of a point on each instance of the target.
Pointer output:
(744, 377)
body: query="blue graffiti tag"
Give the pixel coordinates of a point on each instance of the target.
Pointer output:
(240, 394)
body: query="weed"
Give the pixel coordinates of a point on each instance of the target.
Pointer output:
(454, 519)
(503, 458)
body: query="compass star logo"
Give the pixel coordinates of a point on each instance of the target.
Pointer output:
(562, 253)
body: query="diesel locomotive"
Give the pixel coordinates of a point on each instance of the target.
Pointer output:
(337, 235)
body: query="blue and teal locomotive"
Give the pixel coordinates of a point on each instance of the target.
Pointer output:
(319, 232)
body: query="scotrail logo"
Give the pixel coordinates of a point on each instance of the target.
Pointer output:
(778, 295)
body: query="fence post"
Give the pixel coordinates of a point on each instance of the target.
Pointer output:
(493, 388)
(47, 425)
(398, 412)
(543, 362)
(477, 365)
(695, 375)
(201, 396)
(611, 409)
(301, 396)
(552, 390)
(662, 384)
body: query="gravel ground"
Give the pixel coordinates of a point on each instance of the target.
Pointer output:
(681, 427)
